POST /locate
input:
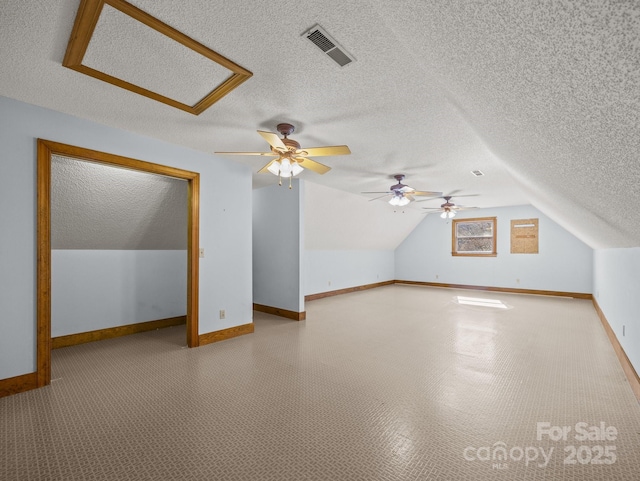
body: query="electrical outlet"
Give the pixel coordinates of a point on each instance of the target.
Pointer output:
(201, 251)
(222, 314)
(437, 276)
(517, 281)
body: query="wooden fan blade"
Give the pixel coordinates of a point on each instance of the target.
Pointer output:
(410, 197)
(264, 169)
(265, 154)
(274, 140)
(379, 197)
(454, 194)
(310, 164)
(430, 198)
(324, 151)
(427, 193)
(448, 195)
(388, 192)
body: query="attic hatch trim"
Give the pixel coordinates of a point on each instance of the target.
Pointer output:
(325, 42)
(85, 23)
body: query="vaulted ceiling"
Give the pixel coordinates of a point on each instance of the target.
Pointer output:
(543, 97)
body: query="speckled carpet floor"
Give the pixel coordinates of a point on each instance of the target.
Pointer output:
(394, 383)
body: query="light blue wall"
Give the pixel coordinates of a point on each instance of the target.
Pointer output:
(564, 263)
(225, 222)
(98, 289)
(330, 270)
(616, 288)
(278, 246)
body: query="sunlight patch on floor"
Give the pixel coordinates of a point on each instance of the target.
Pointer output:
(478, 301)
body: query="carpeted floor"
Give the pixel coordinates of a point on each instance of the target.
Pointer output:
(393, 383)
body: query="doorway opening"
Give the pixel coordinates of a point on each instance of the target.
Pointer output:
(48, 149)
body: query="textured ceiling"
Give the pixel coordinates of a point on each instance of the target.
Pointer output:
(157, 63)
(96, 206)
(334, 219)
(543, 97)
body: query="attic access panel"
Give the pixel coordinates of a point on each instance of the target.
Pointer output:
(166, 43)
(524, 236)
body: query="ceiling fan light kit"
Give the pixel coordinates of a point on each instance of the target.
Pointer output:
(399, 201)
(285, 168)
(448, 210)
(292, 160)
(401, 194)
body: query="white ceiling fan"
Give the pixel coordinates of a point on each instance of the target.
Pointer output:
(401, 194)
(448, 210)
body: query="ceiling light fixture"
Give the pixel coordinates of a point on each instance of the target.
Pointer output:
(448, 213)
(285, 168)
(399, 200)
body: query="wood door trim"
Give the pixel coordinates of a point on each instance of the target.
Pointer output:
(43, 282)
(46, 149)
(193, 260)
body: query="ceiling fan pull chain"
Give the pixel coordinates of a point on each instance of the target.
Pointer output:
(290, 181)
(279, 180)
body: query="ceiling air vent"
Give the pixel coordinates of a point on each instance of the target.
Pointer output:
(318, 36)
(477, 173)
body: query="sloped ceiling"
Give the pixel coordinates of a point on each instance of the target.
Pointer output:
(338, 220)
(540, 96)
(553, 88)
(100, 207)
